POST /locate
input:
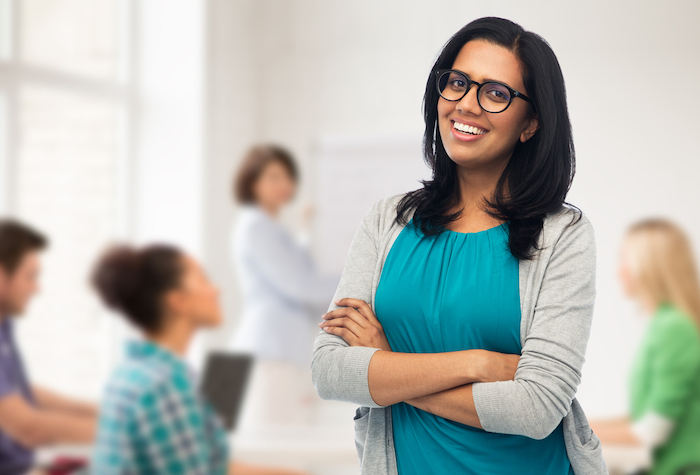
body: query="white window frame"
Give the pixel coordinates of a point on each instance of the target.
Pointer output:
(14, 74)
(120, 91)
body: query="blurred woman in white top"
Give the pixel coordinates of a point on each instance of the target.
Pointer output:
(283, 292)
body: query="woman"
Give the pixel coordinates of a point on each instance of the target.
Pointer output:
(465, 307)
(282, 291)
(657, 270)
(153, 419)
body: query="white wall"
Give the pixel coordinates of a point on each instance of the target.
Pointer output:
(231, 126)
(165, 146)
(298, 71)
(169, 157)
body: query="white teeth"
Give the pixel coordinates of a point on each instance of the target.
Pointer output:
(469, 129)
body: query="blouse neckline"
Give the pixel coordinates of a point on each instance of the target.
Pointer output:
(502, 225)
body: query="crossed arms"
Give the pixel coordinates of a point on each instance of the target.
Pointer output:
(528, 396)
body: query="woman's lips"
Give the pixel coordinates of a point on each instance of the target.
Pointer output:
(463, 136)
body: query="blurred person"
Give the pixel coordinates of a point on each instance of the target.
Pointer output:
(30, 416)
(464, 309)
(153, 419)
(657, 270)
(283, 292)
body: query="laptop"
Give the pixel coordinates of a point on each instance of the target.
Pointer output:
(224, 384)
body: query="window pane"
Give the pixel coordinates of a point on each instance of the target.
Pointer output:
(74, 36)
(67, 188)
(5, 29)
(4, 132)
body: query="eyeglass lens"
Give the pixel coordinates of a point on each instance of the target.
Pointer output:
(493, 97)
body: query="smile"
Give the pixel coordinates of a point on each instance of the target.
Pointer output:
(469, 129)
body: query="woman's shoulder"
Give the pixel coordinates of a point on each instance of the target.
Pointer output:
(384, 210)
(567, 216)
(387, 205)
(253, 222)
(669, 320)
(381, 217)
(139, 385)
(569, 223)
(251, 215)
(674, 338)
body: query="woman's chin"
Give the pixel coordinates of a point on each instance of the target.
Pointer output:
(464, 152)
(210, 322)
(467, 160)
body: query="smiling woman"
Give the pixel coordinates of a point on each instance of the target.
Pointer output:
(498, 130)
(465, 306)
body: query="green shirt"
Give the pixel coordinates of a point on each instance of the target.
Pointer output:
(665, 379)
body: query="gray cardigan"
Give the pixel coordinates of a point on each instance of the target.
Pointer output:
(557, 290)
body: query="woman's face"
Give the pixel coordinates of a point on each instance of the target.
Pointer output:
(483, 61)
(625, 274)
(196, 299)
(275, 187)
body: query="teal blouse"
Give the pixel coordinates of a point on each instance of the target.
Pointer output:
(451, 292)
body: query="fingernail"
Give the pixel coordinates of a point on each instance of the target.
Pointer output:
(336, 301)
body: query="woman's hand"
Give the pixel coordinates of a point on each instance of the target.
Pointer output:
(492, 366)
(355, 323)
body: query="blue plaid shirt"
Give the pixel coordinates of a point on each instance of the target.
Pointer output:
(154, 421)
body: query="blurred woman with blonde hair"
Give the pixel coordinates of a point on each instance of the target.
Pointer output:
(657, 269)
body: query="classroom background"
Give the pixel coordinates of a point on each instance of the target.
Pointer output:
(126, 119)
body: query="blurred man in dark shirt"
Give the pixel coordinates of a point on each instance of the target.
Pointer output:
(30, 416)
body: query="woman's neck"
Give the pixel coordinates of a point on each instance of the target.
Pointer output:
(176, 337)
(271, 210)
(474, 187)
(478, 183)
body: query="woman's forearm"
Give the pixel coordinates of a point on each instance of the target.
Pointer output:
(615, 431)
(456, 404)
(49, 400)
(398, 377)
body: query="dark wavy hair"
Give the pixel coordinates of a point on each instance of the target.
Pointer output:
(538, 176)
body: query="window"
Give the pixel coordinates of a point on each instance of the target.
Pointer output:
(65, 117)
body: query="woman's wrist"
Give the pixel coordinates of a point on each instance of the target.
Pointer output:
(474, 365)
(483, 366)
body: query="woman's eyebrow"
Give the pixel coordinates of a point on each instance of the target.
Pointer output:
(495, 80)
(484, 79)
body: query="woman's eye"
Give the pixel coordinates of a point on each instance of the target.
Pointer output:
(497, 94)
(458, 84)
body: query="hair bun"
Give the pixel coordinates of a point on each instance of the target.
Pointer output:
(133, 281)
(116, 276)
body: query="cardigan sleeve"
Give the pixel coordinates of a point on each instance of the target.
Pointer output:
(553, 351)
(340, 371)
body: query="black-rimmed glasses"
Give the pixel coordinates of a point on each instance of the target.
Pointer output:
(492, 96)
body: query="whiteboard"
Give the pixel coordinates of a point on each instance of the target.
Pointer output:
(354, 173)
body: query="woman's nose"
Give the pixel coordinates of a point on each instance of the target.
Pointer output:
(470, 103)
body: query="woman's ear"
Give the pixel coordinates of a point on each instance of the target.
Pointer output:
(533, 125)
(174, 301)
